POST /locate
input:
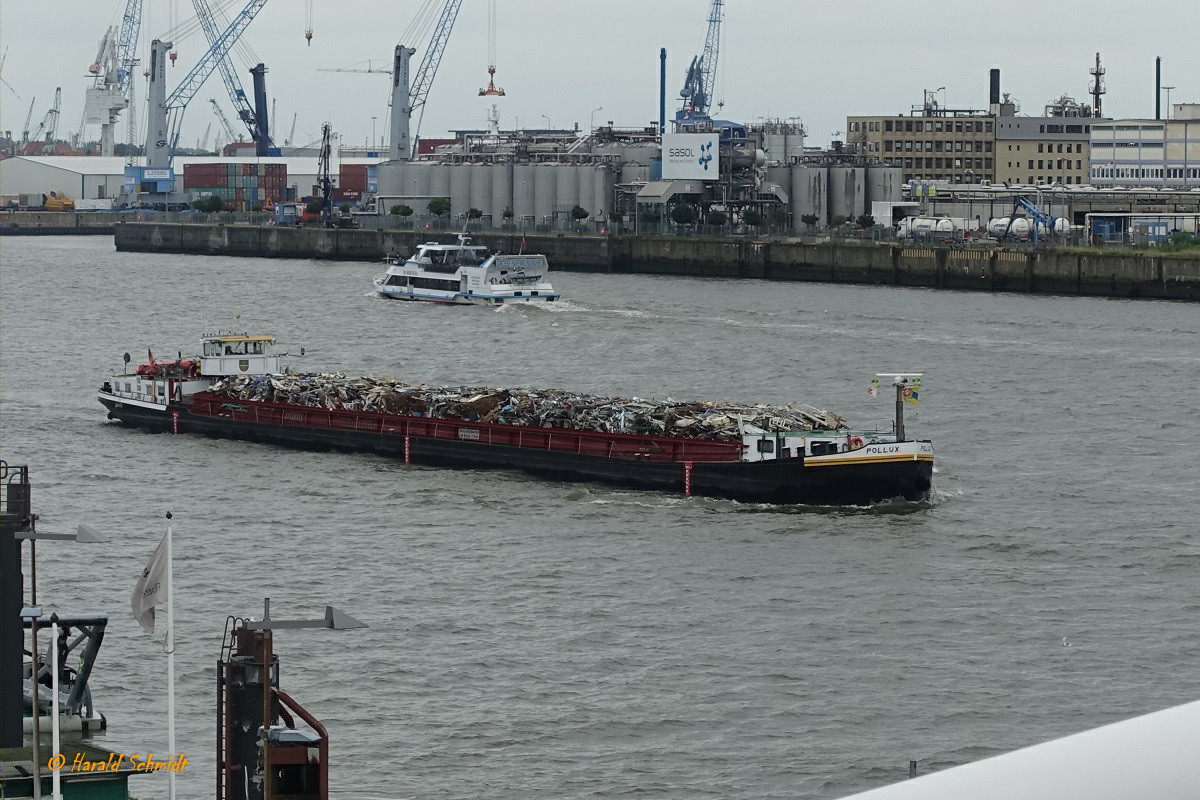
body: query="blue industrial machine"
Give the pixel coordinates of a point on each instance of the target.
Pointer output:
(1036, 215)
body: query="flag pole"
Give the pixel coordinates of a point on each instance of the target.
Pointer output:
(170, 647)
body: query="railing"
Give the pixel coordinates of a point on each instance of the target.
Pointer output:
(15, 508)
(595, 443)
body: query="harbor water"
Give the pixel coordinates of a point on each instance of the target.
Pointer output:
(535, 639)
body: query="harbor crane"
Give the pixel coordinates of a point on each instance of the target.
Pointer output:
(226, 128)
(702, 72)
(324, 175)
(253, 116)
(25, 127)
(409, 99)
(202, 145)
(166, 112)
(111, 91)
(43, 137)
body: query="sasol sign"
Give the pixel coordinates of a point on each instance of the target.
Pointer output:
(691, 156)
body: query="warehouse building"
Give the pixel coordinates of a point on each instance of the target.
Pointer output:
(103, 178)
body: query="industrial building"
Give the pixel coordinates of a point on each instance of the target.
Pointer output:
(1052, 148)
(934, 143)
(1148, 152)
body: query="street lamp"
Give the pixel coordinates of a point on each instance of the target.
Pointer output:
(33, 614)
(333, 620)
(592, 119)
(543, 116)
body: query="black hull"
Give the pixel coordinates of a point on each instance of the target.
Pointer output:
(785, 481)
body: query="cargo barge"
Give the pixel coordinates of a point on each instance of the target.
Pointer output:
(825, 465)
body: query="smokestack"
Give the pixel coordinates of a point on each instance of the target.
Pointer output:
(994, 91)
(1158, 88)
(662, 92)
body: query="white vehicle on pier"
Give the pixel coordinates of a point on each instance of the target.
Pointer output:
(466, 274)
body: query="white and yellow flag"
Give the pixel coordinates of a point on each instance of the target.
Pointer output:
(151, 589)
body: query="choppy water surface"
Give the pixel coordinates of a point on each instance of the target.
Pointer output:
(531, 639)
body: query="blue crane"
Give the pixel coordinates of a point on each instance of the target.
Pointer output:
(166, 112)
(702, 72)
(1039, 217)
(127, 41)
(233, 86)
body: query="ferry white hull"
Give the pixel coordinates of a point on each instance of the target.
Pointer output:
(460, 299)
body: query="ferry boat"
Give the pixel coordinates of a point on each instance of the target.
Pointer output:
(466, 274)
(831, 466)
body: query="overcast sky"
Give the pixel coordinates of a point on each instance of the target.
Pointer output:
(818, 61)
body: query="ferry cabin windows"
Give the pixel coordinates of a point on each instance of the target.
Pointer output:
(232, 348)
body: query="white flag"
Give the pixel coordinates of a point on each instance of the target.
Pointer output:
(151, 589)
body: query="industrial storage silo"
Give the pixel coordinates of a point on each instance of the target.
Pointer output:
(502, 191)
(417, 183)
(635, 173)
(481, 191)
(440, 180)
(809, 195)
(460, 190)
(602, 192)
(545, 193)
(884, 185)
(847, 192)
(587, 189)
(567, 181)
(390, 177)
(522, 186)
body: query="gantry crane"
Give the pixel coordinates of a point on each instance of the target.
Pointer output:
(701, 75)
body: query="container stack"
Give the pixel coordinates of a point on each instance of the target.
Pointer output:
(241, 186)
(352, 183)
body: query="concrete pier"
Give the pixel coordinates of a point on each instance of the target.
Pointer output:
(1115, 274)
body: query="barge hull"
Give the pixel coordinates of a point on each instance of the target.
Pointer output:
(784, 481)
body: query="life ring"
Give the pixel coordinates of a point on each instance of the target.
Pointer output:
(856, 442)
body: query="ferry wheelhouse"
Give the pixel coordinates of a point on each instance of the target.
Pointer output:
(467, 274)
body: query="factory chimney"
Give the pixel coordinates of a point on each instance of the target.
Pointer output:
(662, 91)
(1158, 87)
(994, 89)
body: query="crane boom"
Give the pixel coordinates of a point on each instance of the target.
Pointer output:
(419, 92)
(127, 41)
(28, 119)
(225, 126)
(233, 86)
(701, 76)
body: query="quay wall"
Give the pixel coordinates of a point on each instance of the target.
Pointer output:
(1042, 272)
(56, 223)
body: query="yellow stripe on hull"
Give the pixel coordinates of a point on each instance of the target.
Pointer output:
(842, 462)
